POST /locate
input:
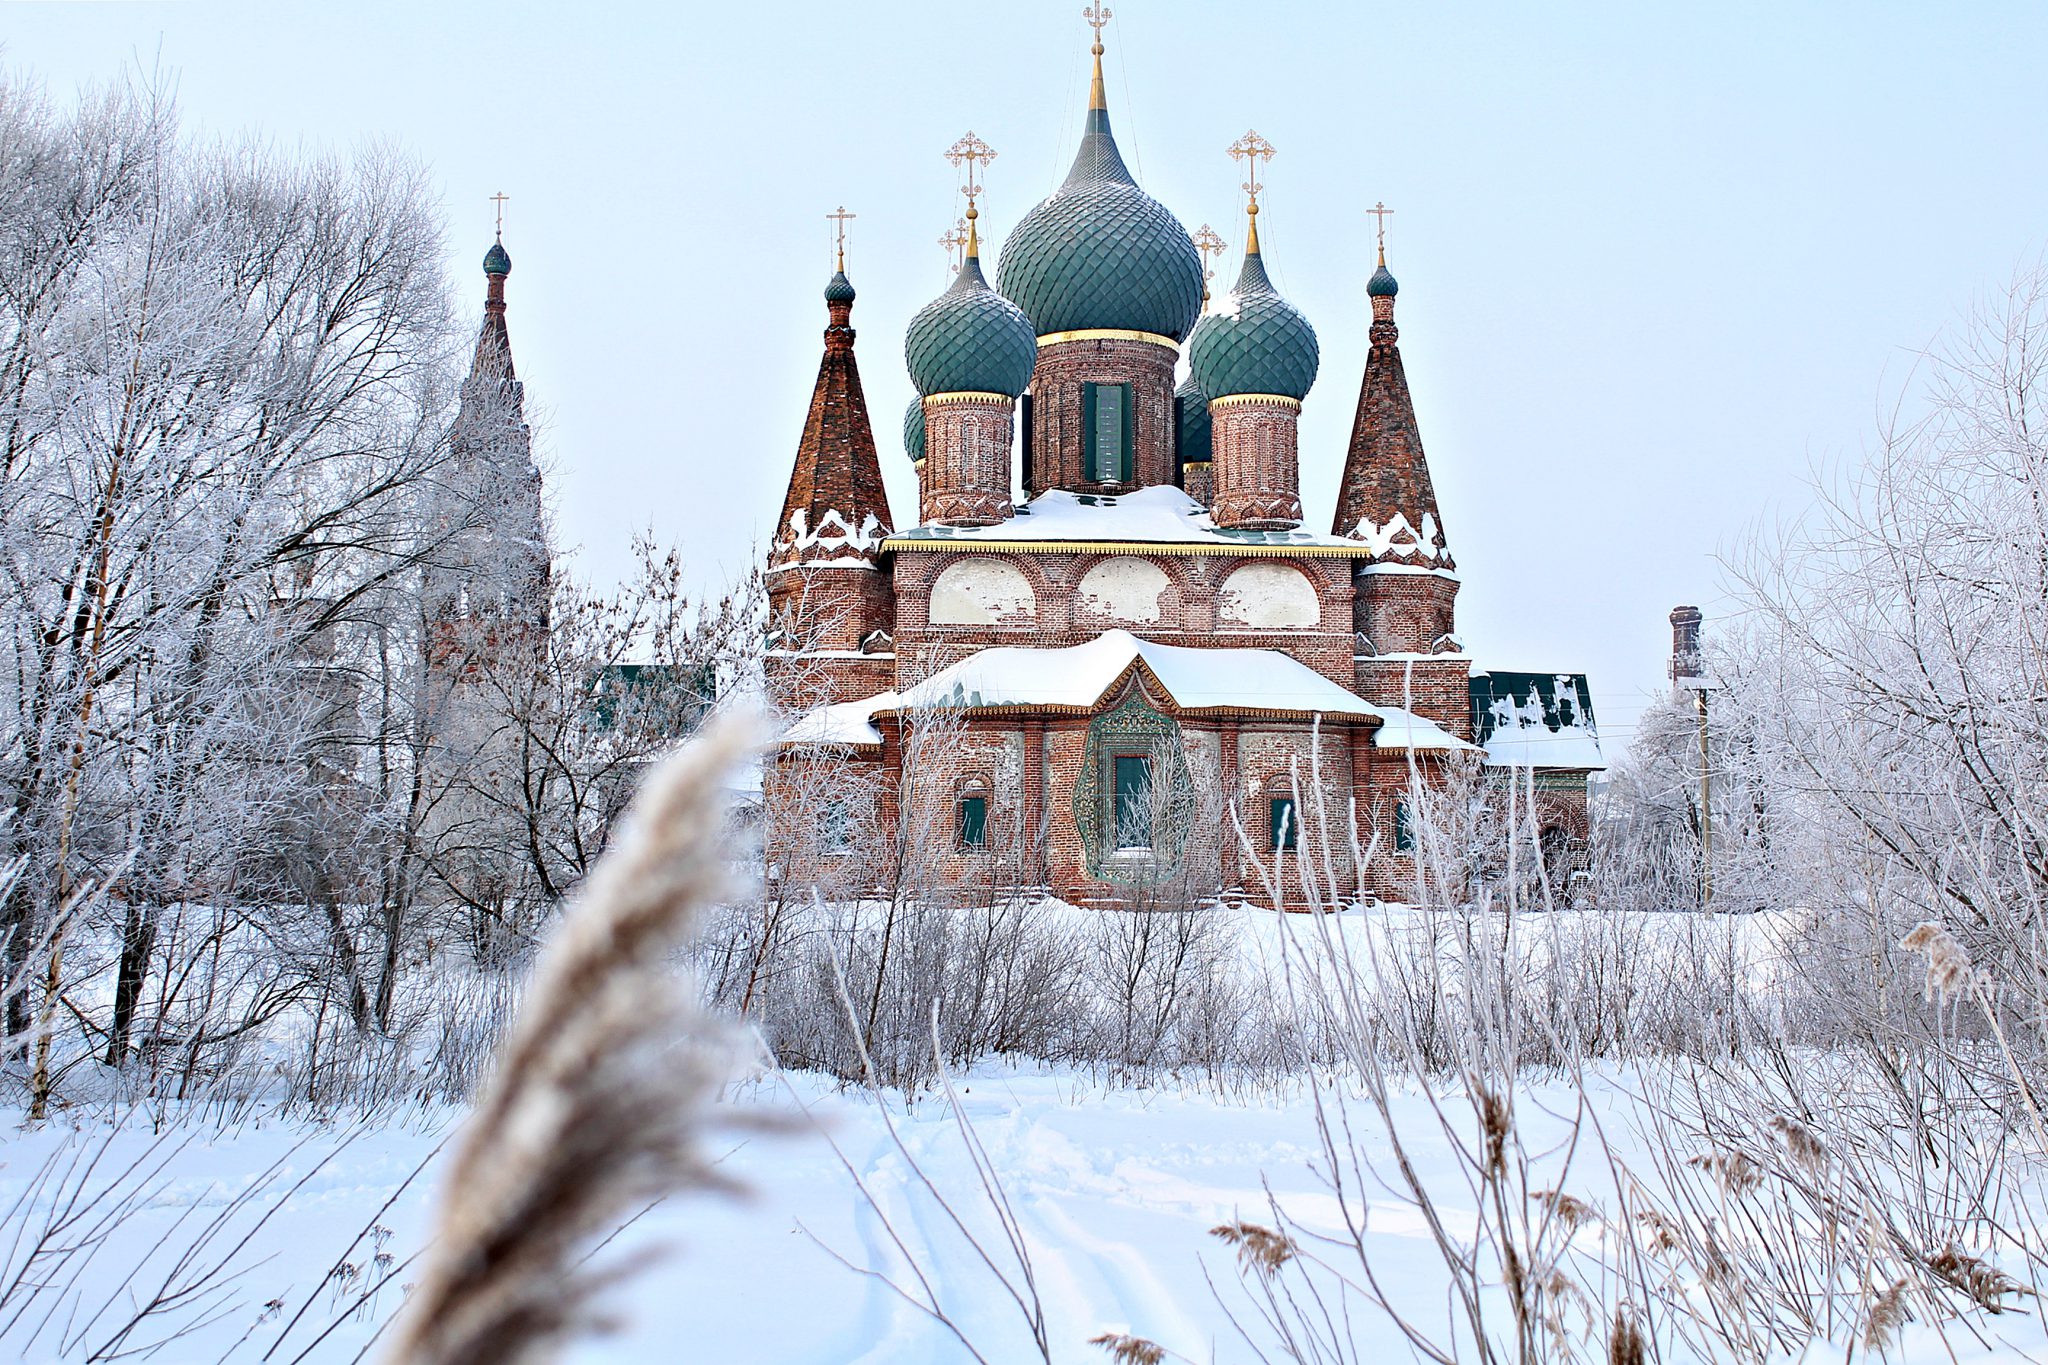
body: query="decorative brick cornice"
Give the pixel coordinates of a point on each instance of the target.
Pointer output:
(1108, 334)
(1002, 400)
(1255, 400)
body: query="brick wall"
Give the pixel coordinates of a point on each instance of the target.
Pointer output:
(1057, 441)
(1255, 462)
(965, 475)
(1065, 610)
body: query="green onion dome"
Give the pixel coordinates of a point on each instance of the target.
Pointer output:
(1254, 341)
(1190, 422)
(1382, 285)
(497, 261)
(913, 430)
(839, 289)
(1101, 253)
(970, 339)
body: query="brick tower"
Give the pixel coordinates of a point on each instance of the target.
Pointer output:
(830, 608)
(1408, 652)
(489, 578)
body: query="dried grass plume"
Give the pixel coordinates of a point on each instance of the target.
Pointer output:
(598, 1101)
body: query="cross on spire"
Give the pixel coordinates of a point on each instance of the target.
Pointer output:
(1210, 243)
(1097, 14)
(499, 199)
(954, 242)
(1380, 212)
(1252, 149)
(840, 218)
(974, 154)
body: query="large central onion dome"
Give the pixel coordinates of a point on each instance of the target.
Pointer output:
(970, 339)
(1101, 253)
(1255, 341)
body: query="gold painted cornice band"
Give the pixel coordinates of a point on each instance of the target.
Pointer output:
(968, 396)
(1107, 334)
(1248, 400)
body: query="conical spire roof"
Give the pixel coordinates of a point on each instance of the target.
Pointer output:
(836, 510)
(493, 358)
(1100, 253)
(1386, 498)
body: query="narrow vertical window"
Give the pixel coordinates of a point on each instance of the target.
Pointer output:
(1024, 418)
(1132, 793)
(837, 828)
(974, 822)
(1404, 829)
(1286, 830)
(1106, 415)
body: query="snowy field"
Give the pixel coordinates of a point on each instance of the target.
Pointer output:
(1115, 1192)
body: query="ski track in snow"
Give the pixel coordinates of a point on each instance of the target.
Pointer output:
(1114, 1190)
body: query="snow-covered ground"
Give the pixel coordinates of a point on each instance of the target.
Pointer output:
(1115, 1192)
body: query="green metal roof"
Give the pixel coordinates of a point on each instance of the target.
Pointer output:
(913, 430)
(1382, 284)
(970, 339)
(1191, 421)
(1101, 253)
(839, 289)
(497, 261)
(1254, 342)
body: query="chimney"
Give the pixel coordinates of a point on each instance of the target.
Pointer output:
(1687, 671)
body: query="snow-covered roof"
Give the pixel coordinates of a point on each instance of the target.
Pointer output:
(1078, 677)
(1161, 515)
(1535, 720)
(844, 723)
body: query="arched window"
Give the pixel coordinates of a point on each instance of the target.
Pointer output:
(1404, 828)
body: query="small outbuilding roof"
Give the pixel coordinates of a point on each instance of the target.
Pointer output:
(1536, 720)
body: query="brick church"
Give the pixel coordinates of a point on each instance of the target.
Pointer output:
(1149, 635)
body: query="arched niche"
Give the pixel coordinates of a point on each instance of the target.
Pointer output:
(981, 592)
(1269, 593)
(1124, 589)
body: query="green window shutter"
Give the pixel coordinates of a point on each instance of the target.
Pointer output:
(1088, 431)
(974, 821)
(1286, 832)
(1404, 830)
(1132, 813)
(1129, 434)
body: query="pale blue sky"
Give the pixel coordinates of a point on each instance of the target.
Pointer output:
(1656, 260)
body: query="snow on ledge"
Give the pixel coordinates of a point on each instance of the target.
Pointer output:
(1161, 515)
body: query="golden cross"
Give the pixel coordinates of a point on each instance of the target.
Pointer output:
(976, 155)
(1097, 14)
(954, 242)
(839, 221)
(1380, 211)
(499, 200)
(1252, 149)
(1210, 243)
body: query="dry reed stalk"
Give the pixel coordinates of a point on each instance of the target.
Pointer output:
(1573, 1212)
(1126, 1349)
(1625, 1345)
(1802, 1144)
(1949, 971)
(1986, 1284)
(1888, 1313)
(600, 1094)
(1258, 1248)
